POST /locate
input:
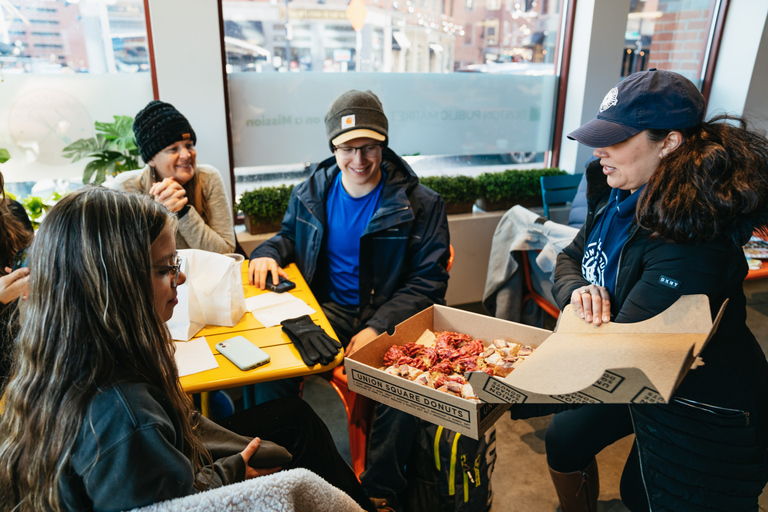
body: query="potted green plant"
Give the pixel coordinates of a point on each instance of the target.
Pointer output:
(113, 150)
(263, 208)
(503, 190)
(36, 207)
(459, 192)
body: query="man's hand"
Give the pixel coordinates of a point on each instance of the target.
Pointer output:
(247, 453)
(170, 194)
(593, 303)
(360, 340)
(14, 285)
(257, 272)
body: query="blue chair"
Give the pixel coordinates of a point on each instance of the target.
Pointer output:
(557, 190)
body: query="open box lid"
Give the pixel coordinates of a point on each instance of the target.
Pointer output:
(661, 349)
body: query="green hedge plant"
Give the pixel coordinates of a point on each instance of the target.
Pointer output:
(113, 150)
(502, 190)
(458, 192)
(264, 207)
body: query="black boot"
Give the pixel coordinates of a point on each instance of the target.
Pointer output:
(578, 490)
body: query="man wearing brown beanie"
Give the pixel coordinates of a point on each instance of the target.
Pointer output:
(373, 245)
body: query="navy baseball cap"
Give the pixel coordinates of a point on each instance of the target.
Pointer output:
(655, 99)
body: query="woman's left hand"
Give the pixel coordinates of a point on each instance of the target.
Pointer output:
(247, 453)
(170, 194)
(593, 303)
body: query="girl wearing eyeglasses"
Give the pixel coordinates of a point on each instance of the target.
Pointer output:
(94, 416)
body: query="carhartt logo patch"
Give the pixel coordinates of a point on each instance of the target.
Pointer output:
(185, 136)
(666, 281)
(348, 121)
(610, 99)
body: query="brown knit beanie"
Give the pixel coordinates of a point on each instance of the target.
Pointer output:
(157, 126)
(355, 114)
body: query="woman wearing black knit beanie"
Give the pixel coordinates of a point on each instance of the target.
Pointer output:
(195, 193)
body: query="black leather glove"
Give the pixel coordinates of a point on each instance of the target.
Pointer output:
(313, 344)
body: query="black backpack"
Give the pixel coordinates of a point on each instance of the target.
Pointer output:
(450, 472)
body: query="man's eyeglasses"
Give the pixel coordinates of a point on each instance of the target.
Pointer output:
(369, 151)
(174, 270)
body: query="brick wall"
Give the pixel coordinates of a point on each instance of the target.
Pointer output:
(680, 36)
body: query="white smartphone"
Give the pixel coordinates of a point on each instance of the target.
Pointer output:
(244, 354)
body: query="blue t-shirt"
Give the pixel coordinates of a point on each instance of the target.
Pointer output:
(347, 218)
(607, 238)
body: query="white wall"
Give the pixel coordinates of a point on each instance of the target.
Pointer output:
(187, 45)
(595, 68)
(739, 84)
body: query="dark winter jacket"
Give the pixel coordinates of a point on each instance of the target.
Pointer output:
(707, 449)
(403, 251)
(130, 453)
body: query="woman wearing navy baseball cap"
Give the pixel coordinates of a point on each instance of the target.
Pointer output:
(671, 201)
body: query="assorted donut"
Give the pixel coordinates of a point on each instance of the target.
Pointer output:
(440, 361)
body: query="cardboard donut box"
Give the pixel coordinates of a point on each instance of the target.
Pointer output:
(641, 362)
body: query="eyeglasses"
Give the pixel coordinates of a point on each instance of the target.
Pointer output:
(174, 270)
(367, 151)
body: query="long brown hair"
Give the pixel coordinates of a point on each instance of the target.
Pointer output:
(81, 332)
(195, 197)
(714, 185)
(13, 235)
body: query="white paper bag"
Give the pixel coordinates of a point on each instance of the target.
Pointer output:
(187, 319)
(215, 282)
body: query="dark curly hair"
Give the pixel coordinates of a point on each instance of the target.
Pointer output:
(714, 185)
(13, 235)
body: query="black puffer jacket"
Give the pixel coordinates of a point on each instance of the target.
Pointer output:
(403, 251)
(707, 449)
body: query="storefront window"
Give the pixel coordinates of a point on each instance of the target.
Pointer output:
(461, 82)
(63, 66)
(668, 34)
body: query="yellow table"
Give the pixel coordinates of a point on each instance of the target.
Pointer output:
(285, 360)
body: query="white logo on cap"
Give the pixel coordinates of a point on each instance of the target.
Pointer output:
(610, 99)
(348, 122)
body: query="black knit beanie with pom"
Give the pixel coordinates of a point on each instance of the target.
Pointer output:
(157, 126)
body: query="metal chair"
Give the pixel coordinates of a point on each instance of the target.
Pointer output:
(359, 409)
(554, 190)
(558, 190)
(529, 292)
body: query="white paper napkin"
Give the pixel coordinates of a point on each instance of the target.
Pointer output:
(194, 356)
(272, 308)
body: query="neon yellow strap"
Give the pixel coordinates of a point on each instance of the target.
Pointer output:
(436, 447)
(452, 479)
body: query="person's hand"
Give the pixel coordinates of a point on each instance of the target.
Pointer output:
(257, 272)
(593, 303)
(360, 340)
(170, 194)
(14, 285)
(247, 453)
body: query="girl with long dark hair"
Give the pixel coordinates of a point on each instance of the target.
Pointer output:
(94, 416)
(15, 235)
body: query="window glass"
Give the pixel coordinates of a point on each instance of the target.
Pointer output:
(668, 34)
(462, 82)
(65, 65)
